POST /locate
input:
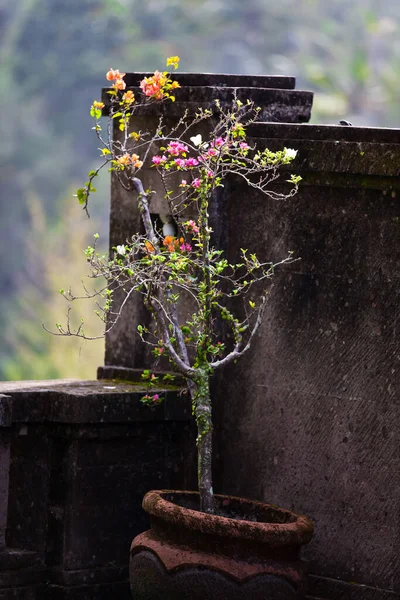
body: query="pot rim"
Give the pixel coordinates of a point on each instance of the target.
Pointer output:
(295, 533)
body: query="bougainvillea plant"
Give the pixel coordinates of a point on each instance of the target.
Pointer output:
(180, 264)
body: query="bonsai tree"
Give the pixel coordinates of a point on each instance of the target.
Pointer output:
(179, 267)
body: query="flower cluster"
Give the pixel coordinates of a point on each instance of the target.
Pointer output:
(158, 85)
(127, 160)
(173, 61)
(196, 183)
(176, 159)
(177, 149)
(173, 244)
(154, 399)
(191, 227)
(129, 97)
(219, 141)
(118, 78)
(152, 86)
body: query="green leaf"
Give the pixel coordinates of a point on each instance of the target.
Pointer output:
(168, 377)
(81, 194)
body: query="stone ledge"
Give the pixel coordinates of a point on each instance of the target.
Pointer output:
(104, 402)
(334, 132)
(220, 80)
(14, 558)
(274, 94)
(335, 150)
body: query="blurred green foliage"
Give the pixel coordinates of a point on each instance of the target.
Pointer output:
(53, 56)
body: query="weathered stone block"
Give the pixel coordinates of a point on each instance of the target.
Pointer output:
(82, 457)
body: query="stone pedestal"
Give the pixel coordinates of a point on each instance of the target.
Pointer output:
(82, 456)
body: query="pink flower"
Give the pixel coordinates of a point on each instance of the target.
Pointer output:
(244, 146)
(185, 248)
(210, 174)
(196, 183)
(180, 162)
(191, 226)
(219, 141)
(183, 183)
(191, 162)
(155, 399)
(176, 148)
(158, 160)
(153, 86)
(159, 351)
(211, 152)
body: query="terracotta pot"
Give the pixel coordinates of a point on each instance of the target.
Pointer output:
(248, 550)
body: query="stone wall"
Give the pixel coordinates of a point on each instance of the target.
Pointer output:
(77, 459)
(310, 418)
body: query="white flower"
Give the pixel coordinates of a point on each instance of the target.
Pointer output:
(290, 153)
(121, 250)
(197, 140)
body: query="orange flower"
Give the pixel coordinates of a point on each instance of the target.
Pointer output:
(171, 243)
(119, 84)
(128, 97)
(149, 247)
(114, 74)
(97, 104)
(168, 240)
(130, 159)
(174, 85)
(135, 161)
(159, 78)
(124, 160)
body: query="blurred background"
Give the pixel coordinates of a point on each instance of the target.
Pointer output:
(53, 57)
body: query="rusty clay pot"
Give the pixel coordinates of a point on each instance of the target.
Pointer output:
(246, 551)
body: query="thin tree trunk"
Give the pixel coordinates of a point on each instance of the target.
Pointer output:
(204, 443)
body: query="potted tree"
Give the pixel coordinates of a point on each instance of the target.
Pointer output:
(205, 313)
